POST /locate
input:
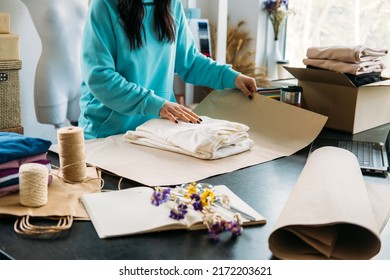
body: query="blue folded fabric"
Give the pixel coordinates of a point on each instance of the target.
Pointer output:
(15, 146)
(10, 182)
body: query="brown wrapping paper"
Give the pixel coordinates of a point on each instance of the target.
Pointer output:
(63, 199)
(332, 213)
(271, 123)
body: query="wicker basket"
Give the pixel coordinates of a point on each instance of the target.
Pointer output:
(18, 129)
(10, 116)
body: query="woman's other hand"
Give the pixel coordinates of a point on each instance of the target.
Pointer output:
(246, 84)
(176, 112)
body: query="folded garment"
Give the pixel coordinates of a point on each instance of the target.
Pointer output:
(359, 80)
(9, 189)
(41, 158)
(365, 78)
(10, 182)
(9, 176)
(13, 179)
(353, 54)
(7, 172)
(15, 146)
(212, 139)
(15, 188)
(345, 67)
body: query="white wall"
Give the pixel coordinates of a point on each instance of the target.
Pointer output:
(238, 10)
(30, 50)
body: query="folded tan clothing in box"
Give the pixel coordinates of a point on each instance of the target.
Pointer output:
(211, 139)
(363, 67)
(4, 23)
(9, 47)
(332, 213)
(353, 54)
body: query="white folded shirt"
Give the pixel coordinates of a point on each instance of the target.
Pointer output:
(211, 139)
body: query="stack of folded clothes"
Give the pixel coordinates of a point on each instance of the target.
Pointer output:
(15, 150)
(212, 139)
(361, 64)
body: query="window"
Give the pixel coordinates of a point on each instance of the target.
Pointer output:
(335, 22)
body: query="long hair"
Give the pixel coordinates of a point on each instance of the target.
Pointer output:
(132, 13)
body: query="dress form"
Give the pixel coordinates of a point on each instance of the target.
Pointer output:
(59, 24)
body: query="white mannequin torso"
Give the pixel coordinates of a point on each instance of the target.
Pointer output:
(58, 77)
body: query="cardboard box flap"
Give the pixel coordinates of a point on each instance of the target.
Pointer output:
(320, 76)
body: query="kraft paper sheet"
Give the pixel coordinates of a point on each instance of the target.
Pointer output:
(277, 129)
(332, 213)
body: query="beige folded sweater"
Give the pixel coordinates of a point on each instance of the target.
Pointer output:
(353, 54)
(345, 67)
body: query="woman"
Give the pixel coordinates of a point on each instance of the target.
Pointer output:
(130, 52)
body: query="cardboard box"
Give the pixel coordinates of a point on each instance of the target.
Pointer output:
(349, 108)
(4, 23)
(9, 47)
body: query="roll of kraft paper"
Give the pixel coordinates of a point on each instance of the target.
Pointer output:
(330, 214)
(72, 154)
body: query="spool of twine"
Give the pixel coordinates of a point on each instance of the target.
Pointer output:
(72, 154)
(33, 183)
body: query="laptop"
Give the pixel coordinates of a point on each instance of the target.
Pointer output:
(373, 157)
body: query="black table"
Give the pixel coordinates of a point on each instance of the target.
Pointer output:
(265, 187)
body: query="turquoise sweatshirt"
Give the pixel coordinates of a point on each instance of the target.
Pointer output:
(123, 88)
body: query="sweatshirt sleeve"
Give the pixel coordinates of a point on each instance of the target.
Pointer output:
(194, 67)
(99, 49)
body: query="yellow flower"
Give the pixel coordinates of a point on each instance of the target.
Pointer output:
(191, 189)
(207, 197)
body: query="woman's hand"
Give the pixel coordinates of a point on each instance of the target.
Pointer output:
(175, 112)
(246, 84)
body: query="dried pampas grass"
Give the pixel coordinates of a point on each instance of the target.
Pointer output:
(241, 59)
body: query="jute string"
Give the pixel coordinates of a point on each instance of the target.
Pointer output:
(23, 226)
(73, 167)
(33, 184)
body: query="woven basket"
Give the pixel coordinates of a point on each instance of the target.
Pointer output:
(10, 115)
(18, 129)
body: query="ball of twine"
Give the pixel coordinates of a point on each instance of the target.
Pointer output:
(33, 184)
(72, 154)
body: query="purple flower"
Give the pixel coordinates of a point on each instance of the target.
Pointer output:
(160, 196)
(276, 10)
(216, 228)
(178, 212)
(272, 6)
(196, 202)
(234, 228)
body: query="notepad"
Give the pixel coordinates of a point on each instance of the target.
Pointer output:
(130, 212)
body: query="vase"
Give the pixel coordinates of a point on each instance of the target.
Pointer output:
(274, 58)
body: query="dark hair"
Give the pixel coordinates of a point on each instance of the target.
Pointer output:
(132, 12)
